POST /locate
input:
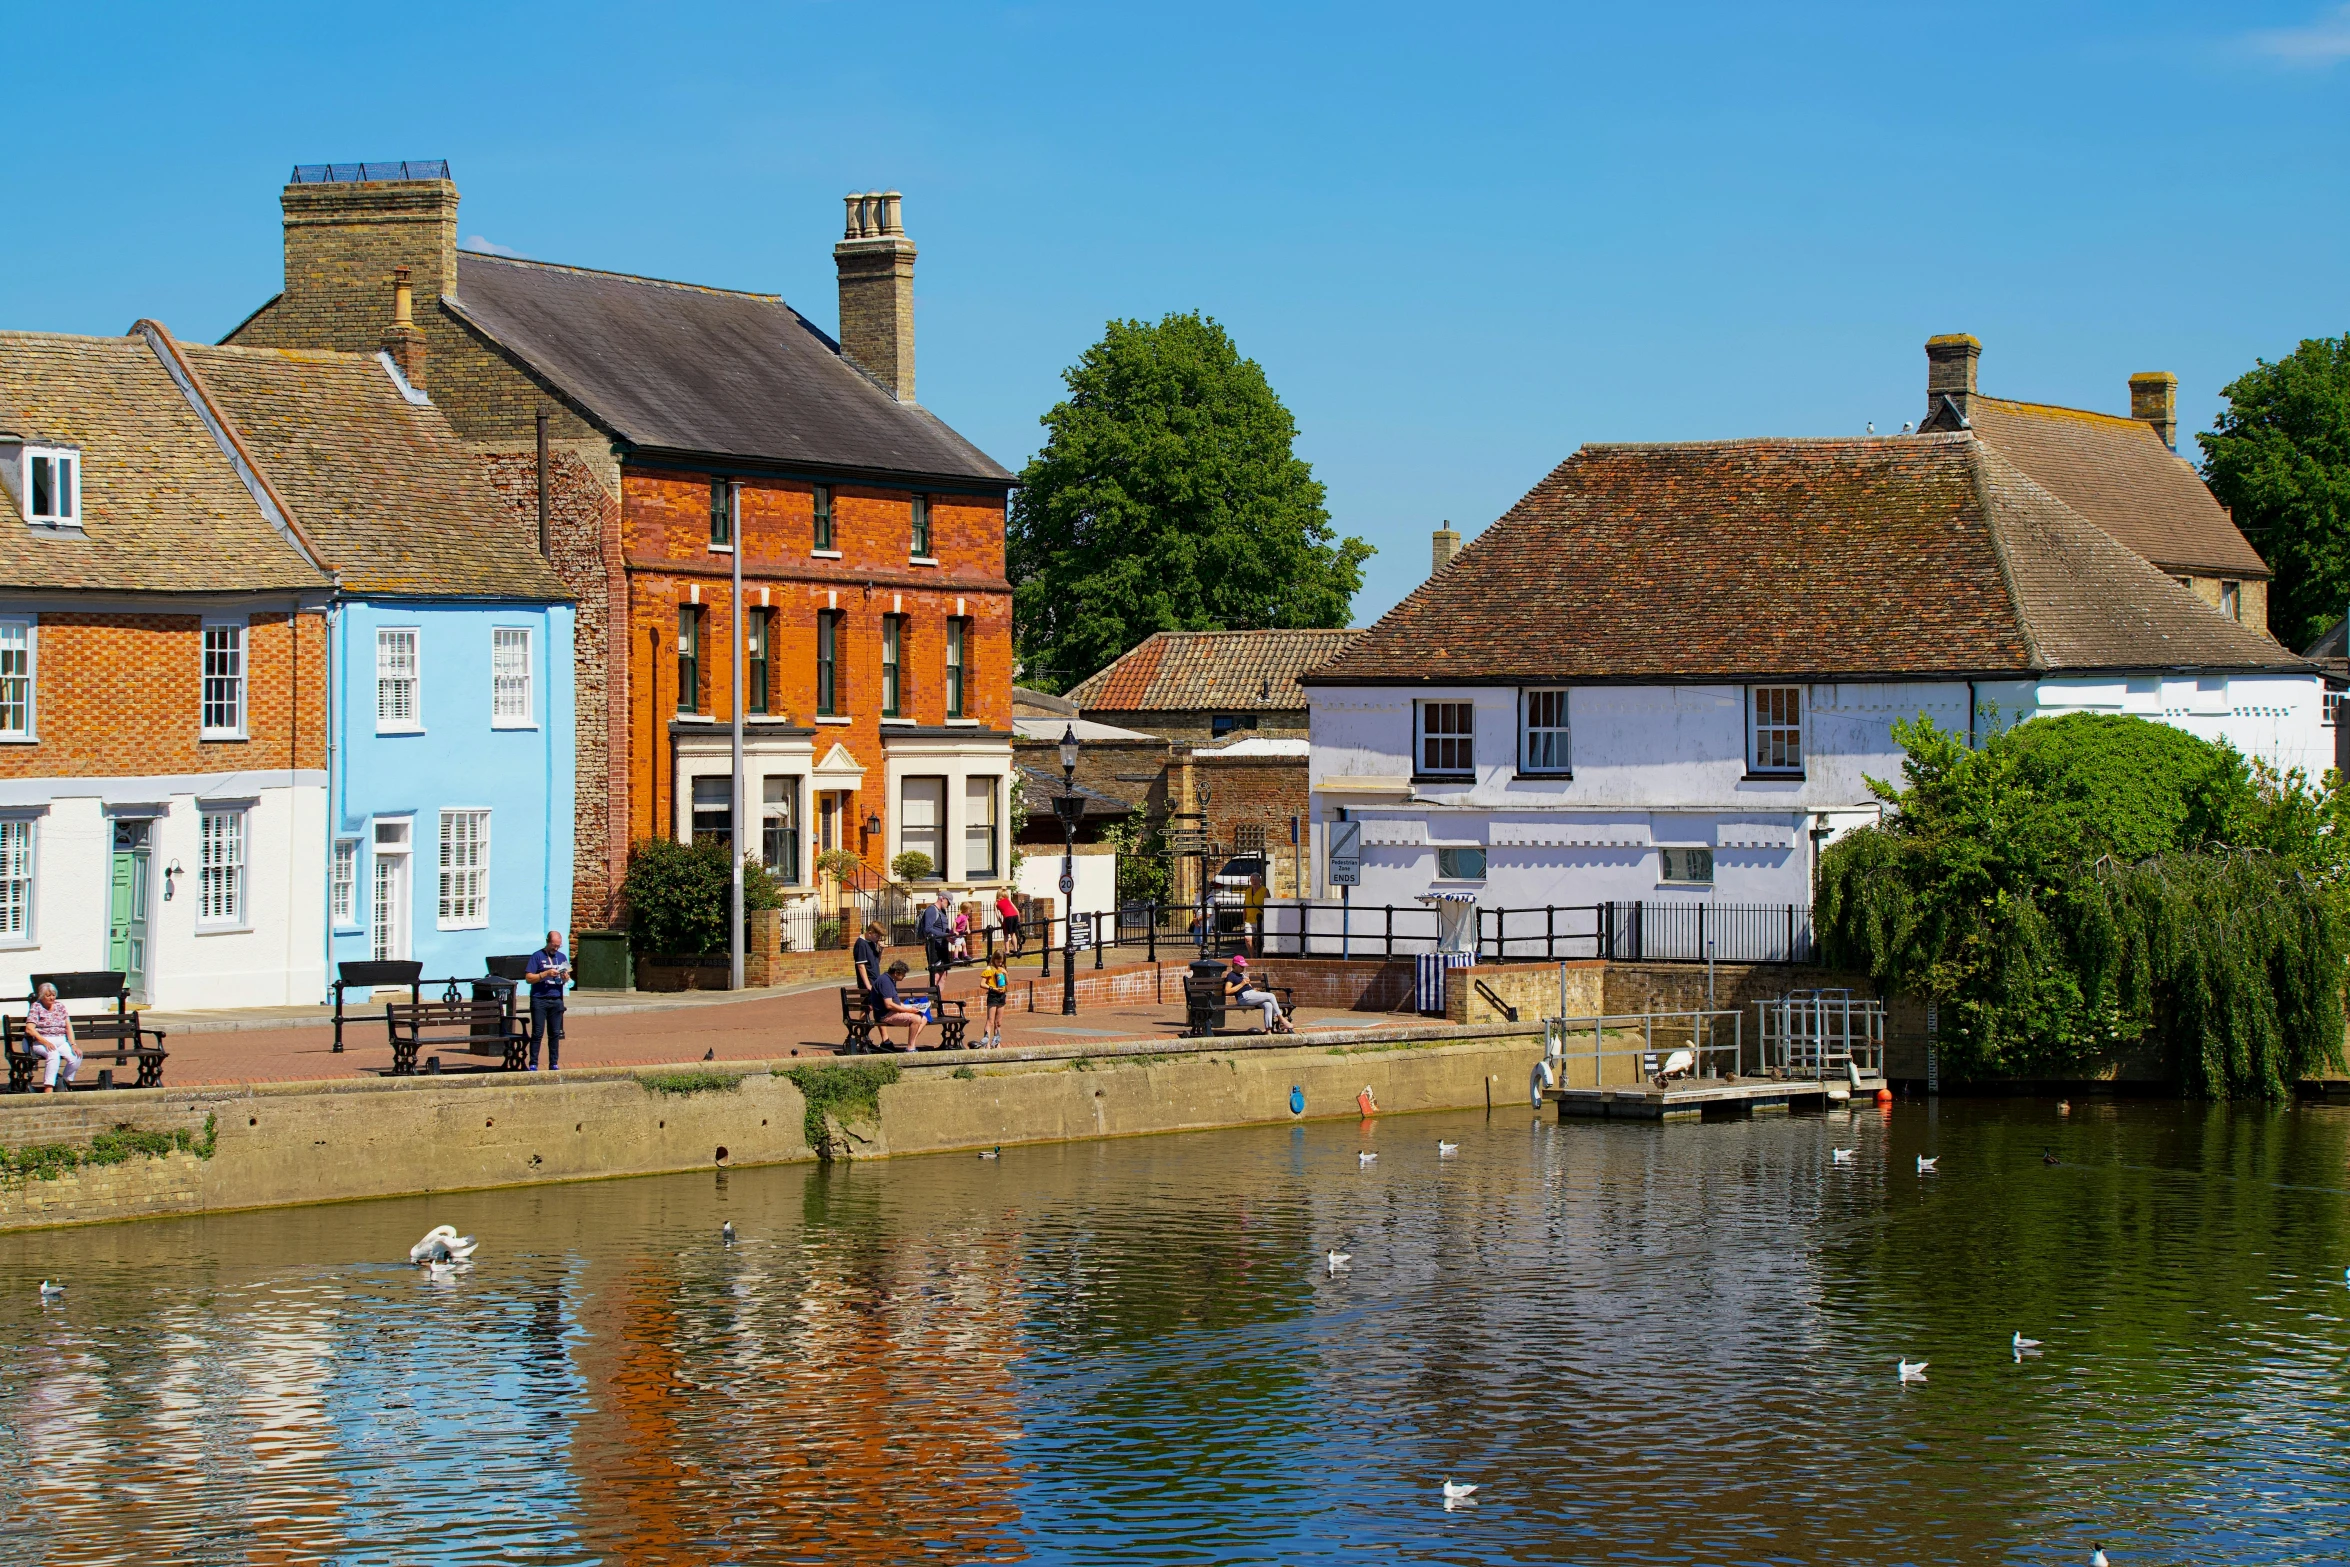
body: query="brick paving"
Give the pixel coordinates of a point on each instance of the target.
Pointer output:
(804, 1022)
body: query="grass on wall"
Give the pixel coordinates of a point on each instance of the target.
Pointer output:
(48, 1161)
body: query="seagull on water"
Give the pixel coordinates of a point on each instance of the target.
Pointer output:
(1445, 1150)
(51, 1291)
(1926, 1165)
(2097, 1557)
(1339, 1259)
(726, 1232)
(1458, 1493)
(2022, 1343)
(1365, 1158)
(1914, 1370)
(1841, 1155)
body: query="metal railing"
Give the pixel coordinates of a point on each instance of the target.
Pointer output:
(1699, 1033)
(356, 173)
(1816, 1033)
(1661, 932)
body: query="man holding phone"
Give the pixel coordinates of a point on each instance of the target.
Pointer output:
(549, 971)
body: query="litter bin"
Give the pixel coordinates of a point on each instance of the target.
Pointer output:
(600, 960)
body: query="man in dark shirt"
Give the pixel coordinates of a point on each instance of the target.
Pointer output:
(866, 956)
(889, 1011)
(549, 971)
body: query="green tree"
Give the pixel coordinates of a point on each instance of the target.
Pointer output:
(1167, 498)
(2093, 884)
(2280, 460)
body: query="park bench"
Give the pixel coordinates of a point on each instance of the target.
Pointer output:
(120, 1038)
(1205, 1003)
(860, 1020)
(485, 1026)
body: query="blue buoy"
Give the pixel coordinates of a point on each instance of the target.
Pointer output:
(1297, 1099)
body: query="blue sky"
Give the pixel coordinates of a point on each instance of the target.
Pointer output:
(1461, 239)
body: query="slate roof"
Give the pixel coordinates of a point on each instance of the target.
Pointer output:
(677, 368)
(394, 500)
(1226, 671)
(1887, 557)
(2117, 473)
(162, 509)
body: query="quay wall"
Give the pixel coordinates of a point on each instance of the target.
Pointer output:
(279, 1144)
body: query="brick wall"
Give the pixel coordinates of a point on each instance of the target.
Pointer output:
(1198, 727)
(1261, 792)
(123, 694)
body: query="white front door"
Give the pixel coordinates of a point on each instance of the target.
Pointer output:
(391, 903)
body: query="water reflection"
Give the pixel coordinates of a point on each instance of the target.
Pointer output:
(1644, 1344)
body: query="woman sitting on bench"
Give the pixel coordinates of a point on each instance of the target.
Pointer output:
(51, 1034)
(891, 1012)
(1245, 994)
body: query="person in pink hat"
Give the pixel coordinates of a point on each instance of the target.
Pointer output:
(1238, 985)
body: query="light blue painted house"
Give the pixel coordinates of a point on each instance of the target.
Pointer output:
(448, 666)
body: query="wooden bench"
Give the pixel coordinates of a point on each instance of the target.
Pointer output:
(1205, 1004)
(482, 1028)
(120, 1038)
(860, 1020)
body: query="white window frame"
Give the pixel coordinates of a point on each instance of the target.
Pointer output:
(454, 877)
(26, 872)
(71, 457)
(1765, 750)
(1678, 866)
(388, 678)
(1556, 741)
(342, 895)
(502, 715)
(212, 912)
(29, 730)
(240, 683)
(2331, 713)
(971, 832)
(1466, 738)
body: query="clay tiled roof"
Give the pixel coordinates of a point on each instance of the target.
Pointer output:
(2117, 473)
(1224, 671)
(163, 511)
(1888, 557)
(676, 368)
(396, 504)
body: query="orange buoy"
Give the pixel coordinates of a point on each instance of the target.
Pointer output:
(1364, 1100)
(1884, 1096)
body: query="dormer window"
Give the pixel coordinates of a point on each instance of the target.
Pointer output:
(52, 486)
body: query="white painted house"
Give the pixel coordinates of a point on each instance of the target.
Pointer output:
(1666, 674)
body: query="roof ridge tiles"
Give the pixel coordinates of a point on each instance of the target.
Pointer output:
(625, 277)
(1778, 442)
(2119, 421)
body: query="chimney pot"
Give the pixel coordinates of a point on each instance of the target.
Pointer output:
(1950, 372)
(876, 265)
(1444, 545)
(403, 340)
(2154, 397)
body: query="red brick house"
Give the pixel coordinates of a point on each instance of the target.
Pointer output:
(644, 431)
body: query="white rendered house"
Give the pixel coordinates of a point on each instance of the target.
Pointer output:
(1666, 675)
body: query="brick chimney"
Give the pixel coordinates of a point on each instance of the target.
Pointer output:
(348, 225)
(401, 339)
(876, 263)
(1445, 544)
(1950, 372)
(2154, 397)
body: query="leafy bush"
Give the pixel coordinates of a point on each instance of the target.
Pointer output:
(678, 893)
(2092, 883)
(913, 865)
(839, 864)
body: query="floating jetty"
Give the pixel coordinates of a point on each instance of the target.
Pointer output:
(1695, 1099)
(1813, 1048)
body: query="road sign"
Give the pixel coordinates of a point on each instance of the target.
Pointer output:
(1346, 854)
(1068, 884)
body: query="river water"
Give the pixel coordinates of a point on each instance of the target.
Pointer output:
(1642, 1344)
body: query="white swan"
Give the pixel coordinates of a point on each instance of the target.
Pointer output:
(1679, 1064)
(1913, 1370)
(442, 1243)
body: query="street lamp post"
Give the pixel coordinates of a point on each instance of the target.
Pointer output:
(1069, 805)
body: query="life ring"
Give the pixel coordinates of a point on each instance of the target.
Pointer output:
(1544, 1077)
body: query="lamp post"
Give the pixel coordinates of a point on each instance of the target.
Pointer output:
(1068, 805)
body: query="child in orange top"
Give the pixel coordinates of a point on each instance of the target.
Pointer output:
(996, 981)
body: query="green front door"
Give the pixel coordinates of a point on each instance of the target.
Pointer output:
(126, 923)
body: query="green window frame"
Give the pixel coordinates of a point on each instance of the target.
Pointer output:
(893, 646)
(823, 505)
(689, 658)
(721, 516)
(956, 632)
(755, 660)
(921, 524)
(827, 661)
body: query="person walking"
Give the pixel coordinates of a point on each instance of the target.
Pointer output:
(1007, 914)
(51, 1033)
(865, 957)
(548, 972)
(1253, 906)
(936, 927)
